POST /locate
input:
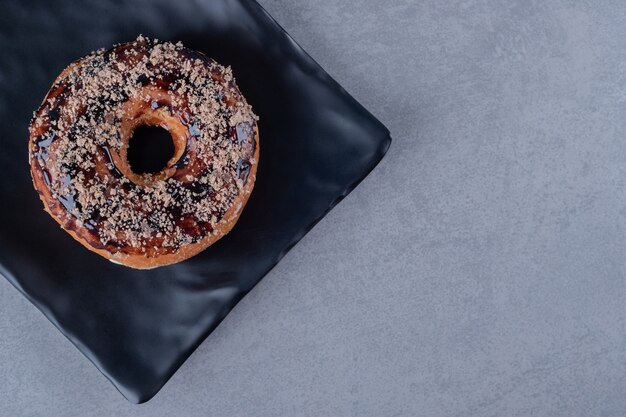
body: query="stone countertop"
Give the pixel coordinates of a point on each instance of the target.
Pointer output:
(478, 271)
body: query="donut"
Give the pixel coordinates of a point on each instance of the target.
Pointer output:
(80, 138)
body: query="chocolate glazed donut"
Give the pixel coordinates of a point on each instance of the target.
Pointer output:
(79, 141)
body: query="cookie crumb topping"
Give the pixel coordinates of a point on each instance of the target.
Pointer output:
(77, 131)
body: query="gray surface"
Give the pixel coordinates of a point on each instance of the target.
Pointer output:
(479, 271)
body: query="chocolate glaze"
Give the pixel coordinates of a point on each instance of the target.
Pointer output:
(90, 224)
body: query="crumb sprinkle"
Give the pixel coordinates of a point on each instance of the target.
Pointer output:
(78, 129)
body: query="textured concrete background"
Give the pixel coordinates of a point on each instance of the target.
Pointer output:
(478, 271)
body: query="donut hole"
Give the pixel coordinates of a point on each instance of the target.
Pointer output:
(149, 149)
